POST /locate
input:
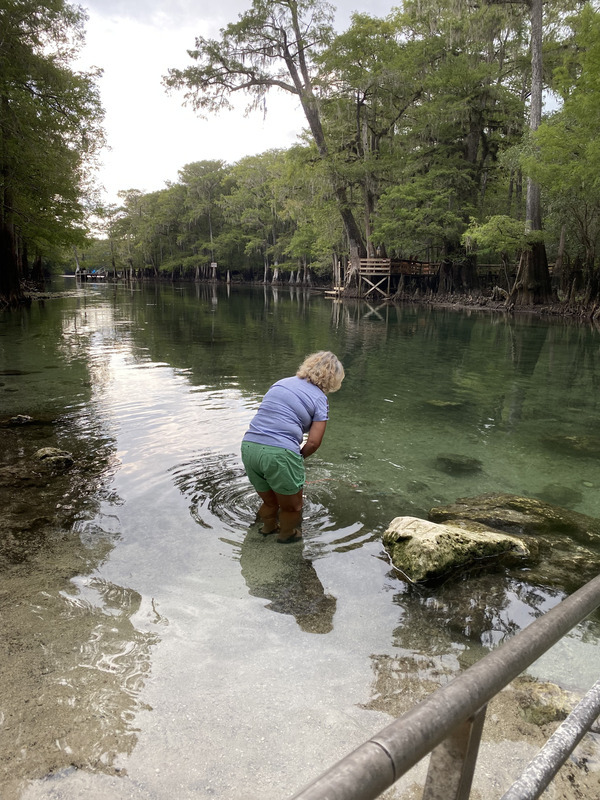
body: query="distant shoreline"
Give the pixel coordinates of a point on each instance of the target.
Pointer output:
(571, 312)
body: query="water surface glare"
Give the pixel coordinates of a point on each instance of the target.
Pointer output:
(154, 644)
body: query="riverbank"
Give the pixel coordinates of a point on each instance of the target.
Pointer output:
(564, 310)
(457, 302)
(481, 302)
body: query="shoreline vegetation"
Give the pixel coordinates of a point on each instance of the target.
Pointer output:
(474, 301)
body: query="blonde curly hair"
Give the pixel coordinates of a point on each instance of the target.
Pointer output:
(324, 370)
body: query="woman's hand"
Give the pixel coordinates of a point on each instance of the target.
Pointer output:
(315, 437)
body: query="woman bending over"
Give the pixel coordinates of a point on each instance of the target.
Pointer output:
(272, 449)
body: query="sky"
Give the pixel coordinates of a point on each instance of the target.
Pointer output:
(150, 134)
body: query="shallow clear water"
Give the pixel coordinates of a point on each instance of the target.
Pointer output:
(152, 638)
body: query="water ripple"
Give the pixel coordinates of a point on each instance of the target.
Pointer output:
(217, 487)
(221, 494)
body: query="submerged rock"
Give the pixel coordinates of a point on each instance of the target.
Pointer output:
(543, 702)
(426, 552)
(54, 458)
(453, 463)
(520, 515)
(576, 445)
(19, 419)
(19, 475)
(417, 486)
(445, 403)
(560, 495)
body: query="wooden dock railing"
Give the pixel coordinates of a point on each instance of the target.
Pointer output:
(372, 269)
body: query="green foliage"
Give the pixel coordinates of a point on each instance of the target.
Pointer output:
(500, 235)
(417, 139)
(50, 132)
(270, 46)
(417, 220)
(566, 160)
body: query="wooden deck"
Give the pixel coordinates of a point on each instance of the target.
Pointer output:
(383, 266)
(376, 272)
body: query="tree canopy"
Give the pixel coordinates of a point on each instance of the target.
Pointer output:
(50, 134)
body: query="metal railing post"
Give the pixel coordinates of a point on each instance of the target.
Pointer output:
(398, 747)
(452, 763)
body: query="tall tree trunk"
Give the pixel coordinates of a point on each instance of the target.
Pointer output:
(559, 270)
(11, 292)
(306, 273)
(112, 257)
(353, 233)
(10, 286)
(532, 284)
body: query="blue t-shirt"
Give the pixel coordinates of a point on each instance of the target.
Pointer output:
(286, 413)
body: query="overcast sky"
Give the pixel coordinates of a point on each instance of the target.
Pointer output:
(150, 134)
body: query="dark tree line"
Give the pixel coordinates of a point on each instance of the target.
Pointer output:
(49, 135)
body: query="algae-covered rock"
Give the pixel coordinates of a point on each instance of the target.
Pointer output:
(19, 419)
(444, 403)
(19, 475)
(521, 516)
(425, 551)
(543, 702)
(54, 458)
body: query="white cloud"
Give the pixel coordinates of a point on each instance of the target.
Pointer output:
(171, 13)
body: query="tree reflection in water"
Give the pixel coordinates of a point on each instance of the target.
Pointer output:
(475, 613)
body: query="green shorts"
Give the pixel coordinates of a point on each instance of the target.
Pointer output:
(273, 468)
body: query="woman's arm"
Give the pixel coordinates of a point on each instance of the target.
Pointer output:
(315, 437)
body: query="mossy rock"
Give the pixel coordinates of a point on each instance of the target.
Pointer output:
(19, 419)
(426, 552)
(54, 458)
(444, 403)
(541, 702)
(520, 516)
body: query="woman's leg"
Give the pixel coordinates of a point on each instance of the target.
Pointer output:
(269, 511)
(290, 515)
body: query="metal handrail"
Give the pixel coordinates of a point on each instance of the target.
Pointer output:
(557, 749)
(449, 721)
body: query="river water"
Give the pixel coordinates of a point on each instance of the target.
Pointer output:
(154, 644)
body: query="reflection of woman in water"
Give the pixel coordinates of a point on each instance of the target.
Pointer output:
(289, 581)
(272, 449)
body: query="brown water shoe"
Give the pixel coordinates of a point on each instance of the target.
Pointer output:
(267, 531)
(295, 537)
